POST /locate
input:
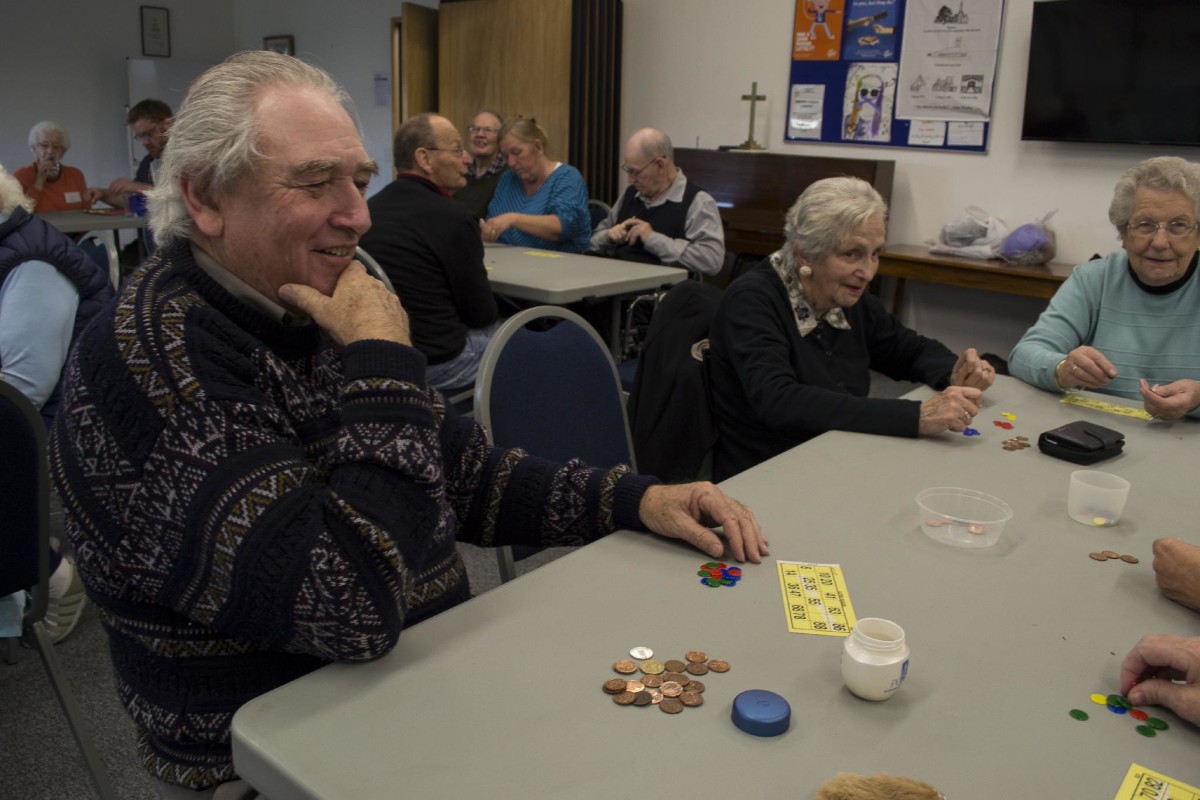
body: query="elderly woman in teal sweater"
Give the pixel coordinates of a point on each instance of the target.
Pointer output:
(1127, 324)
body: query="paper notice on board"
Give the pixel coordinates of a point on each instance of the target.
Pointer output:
(805, 111)
(867, 103)
(965, 134)
(818, 30)
(948, 59)
(927, 133)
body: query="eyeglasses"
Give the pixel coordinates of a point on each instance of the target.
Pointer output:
(1176, 228)
(146, 136)
(868, 93)
(458, 151)
(633, 172)
(50, 147)
(478, 129)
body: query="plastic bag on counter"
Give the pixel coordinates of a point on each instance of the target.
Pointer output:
(1031, 243)
(975, 234)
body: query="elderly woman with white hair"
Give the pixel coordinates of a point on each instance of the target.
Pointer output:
(795, 338)
(1126, 324)
(52, 185)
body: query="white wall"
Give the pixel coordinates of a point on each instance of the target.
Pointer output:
(64, 60)
(688, 62)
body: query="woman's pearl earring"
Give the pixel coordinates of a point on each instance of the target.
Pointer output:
(806, 271)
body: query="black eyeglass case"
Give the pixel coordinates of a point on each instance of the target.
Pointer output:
(1082, 442)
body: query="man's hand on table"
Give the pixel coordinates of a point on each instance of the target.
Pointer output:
(683, 511)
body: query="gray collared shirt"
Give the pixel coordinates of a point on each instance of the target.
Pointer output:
(244, 292)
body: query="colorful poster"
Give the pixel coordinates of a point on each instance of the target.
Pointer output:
(948, 59)
(818, 34)
(871, 31)
(867, 105)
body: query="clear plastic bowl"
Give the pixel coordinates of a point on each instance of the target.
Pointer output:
(962, 517)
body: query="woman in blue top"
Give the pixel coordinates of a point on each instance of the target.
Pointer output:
(538, 202)
(1127, 324)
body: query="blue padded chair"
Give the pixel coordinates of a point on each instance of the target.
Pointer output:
(25, 552)
(552, 389)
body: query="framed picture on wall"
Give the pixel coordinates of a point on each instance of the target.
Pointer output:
(156, 31)
(280, 44)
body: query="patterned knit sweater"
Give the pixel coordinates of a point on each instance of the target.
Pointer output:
(248, 502)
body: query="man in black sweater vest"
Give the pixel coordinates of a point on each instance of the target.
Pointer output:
(662, 218)
(431, 249)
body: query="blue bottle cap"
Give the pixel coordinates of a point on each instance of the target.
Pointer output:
(761, 713)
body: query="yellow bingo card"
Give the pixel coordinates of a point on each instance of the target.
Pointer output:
(1100, 405)
(815, 598)
(1146, 784)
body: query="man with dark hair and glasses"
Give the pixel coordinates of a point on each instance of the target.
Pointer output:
(150, 122)
(431, 249)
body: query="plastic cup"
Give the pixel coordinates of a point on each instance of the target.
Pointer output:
(137, 205)
(1096, 498)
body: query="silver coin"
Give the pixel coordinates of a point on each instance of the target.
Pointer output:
(641, 653)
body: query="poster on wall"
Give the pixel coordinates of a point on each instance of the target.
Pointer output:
(870, 30)
(818, 30)
(867, 103)
(948, 60)
(805, 111)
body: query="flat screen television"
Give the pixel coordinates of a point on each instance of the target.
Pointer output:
(1124, 71)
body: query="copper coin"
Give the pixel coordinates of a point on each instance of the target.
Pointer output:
(614, 686)
(694, 686)
(652, 667)
(1022, 438)
(625, 667)
(678, 677)
(652, 681)
(1110, 554)
(674, 665)
(671, 705)
(1098, 556)
(718, 665)
(672, 689)
(1130, 559)
(642, 699)
(634, 686)
(696, 655)
(655, 696)
(978, 530)
(623, 699)
(691, 699)
(1010, 448)
(697, 668)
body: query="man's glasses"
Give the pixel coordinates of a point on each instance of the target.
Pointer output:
(633, 172)
(146, 136)
(1176, 228)
(473, 129)
(458, 151)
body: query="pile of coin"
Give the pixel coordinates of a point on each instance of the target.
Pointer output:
(670, 685)
(1016, 443)
(1107, 555)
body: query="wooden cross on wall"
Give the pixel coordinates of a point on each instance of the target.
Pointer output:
(753, 97)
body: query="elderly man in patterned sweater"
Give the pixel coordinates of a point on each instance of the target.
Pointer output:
(257, 479)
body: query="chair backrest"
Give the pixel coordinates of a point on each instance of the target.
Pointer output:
(373, 267)
(553, 390)
(99, 248)
(25, 487)
(599, 211)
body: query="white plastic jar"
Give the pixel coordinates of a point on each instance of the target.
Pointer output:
(875, 659)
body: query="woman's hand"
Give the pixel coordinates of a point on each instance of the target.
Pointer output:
(973, 371)
(1084, 367)
(495, 227)
(1170, 401)
(951, 409)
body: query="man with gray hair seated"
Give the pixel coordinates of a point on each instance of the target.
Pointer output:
(431, 249)
(662, 218)
(257, 479)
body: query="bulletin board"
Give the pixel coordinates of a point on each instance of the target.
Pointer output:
(894, 73)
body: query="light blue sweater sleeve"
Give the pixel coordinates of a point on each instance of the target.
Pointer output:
(37, 315)
(1068, 322)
